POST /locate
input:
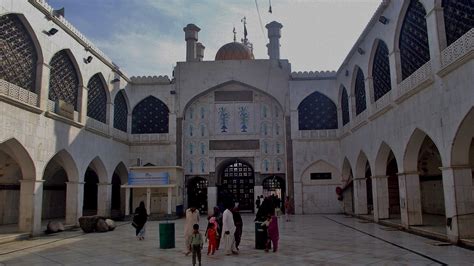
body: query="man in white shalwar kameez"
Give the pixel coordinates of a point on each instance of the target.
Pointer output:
(192, 217)
(228, 229)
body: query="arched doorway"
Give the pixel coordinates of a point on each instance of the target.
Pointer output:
(197, 193)
(91, 179)
(431, 183)
(54, 190)
(237, 184)
(9, 189)
(274, 185)
(116, 210)
(368, 183)
(393, 188)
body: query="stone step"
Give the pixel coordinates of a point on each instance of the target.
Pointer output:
(6, 238)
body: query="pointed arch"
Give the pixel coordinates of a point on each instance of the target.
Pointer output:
(458, 18)
(23, 58)
(99, 168)
(150, 116)
(359, 90)
(412, 40)
(122, 171)
(362, 164)
(412, 150)
(17, 151)
(381, 159)
(97, 98)
(64, 159)
(121, 110)
(65, 79)
(463, 140)
(346, 170)
(317, 111)
(380, 70)
(345, 106)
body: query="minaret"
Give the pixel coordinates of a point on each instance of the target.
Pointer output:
(191, 37)
(274, 34)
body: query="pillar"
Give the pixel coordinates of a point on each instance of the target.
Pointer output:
(170, 194)
(459, 202)
(74, 202)
(211, 199)
(433, 16)
(82, 104)
(360, 195)
(148, 199)
(410, 199)
(31, 200)
(380, 197)
(127, 201)
(104, 199)
(43, 85)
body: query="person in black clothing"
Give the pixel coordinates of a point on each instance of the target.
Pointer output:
(239, 224)
(139, 221)
(257, 202)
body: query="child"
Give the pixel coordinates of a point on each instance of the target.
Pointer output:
(211, 235)
(273, 234)
(196, 244)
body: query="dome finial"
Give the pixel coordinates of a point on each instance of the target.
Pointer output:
(235, 38)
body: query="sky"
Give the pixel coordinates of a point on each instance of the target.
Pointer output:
(145, 37)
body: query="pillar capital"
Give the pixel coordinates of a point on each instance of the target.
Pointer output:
(379, 176)
(31, 181)
(75, 183)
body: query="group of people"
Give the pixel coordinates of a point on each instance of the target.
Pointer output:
(225, 228)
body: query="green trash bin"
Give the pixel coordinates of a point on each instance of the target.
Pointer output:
(167, 235)
(260, 236)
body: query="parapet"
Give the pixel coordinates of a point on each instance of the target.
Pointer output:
(160, 80)
(313, 75)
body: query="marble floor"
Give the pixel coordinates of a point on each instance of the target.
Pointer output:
(306, 240)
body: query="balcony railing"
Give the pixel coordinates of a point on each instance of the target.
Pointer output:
(415, 82)
(458, 49)
(97, 125)
(15, 92)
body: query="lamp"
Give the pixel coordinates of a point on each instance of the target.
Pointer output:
(88, 59)
(383, 20)
(360, 51)
(51, 32)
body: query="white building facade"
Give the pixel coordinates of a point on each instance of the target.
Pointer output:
(391, 130)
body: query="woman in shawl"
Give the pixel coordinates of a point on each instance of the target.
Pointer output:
(218, 217)
(139, 221)
(239, 224)
(273, 233)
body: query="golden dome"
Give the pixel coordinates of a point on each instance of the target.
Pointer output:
(234, 51)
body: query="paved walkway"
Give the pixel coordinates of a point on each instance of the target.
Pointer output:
(306, 240)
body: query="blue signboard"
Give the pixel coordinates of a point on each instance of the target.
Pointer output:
(148, 178)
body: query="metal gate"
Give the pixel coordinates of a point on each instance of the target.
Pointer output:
(238, 181)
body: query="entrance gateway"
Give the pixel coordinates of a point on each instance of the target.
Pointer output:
(237, 183)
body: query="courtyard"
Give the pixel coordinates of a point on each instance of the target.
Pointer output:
(306, 240)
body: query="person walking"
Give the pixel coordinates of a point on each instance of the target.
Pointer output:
(211, 236)
(257, 202)
(228, 227)
(239, 224)
(192, 218)
(217, 215)
(196, 244)
(139, 220)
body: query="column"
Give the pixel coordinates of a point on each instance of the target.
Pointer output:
(43, 86)
(104, 199)
(360, 195)
(459, 202)
(148, 199)
(433, 16)
(31, 200)
(211, 199)
(380, 197)
(257, 191)
(170, 193)
(74, 202)
(410, 199)
(82, 104)
(127, 201)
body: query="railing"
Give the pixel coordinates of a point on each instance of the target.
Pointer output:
(13, 91)
(317, 134)
(381, 105)
(415, 81)
(458, 49)
(148, 138)
(97, 125)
